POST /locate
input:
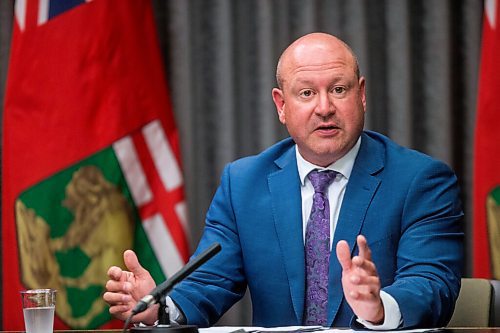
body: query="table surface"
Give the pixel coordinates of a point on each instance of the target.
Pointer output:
(444, 330)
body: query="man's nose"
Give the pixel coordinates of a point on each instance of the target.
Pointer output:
(325, 105)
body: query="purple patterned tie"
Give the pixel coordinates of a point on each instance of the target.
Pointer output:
(317, 248)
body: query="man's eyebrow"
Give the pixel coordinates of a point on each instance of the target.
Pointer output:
(336, 79)
(304, 81)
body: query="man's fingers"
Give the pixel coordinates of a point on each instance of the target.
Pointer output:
(364, 264)
(116, 298)
(115, 273)
(119, 311)
(363, 296)
(371, 281)
(363, 287)
(133, 265)
(364, 250)
(344, 255)
(118, 286)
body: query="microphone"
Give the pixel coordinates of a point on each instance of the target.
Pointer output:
(162, 289)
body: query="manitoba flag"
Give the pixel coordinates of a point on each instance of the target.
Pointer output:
(91, 162)
(487, 150)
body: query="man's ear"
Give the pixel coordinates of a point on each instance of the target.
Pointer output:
(362, 91)
(279, 101)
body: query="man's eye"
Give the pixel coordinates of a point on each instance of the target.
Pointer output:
(339, 90)
(306, 93)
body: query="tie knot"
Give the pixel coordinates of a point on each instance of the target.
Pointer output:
(321, 179)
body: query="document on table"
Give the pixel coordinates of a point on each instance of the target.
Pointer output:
(297, 329)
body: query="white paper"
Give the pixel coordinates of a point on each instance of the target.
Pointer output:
(312, 329)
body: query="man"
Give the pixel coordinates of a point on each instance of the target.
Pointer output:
(394, 210)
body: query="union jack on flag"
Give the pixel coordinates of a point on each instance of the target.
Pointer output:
(47, 10)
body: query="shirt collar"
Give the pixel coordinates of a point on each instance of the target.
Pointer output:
(343, 165)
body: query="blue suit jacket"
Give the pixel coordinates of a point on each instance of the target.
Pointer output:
(406, 204)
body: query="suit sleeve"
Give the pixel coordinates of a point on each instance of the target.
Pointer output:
(212, 289)
(430, 250)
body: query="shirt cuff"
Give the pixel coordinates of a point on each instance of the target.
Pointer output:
(174, 313)
(392, 314)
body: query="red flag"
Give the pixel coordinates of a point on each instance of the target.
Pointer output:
(487, 150)
(91, 160)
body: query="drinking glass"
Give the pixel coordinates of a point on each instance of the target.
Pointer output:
(38, 309)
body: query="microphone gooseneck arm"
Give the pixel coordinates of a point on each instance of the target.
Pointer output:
(165, 287)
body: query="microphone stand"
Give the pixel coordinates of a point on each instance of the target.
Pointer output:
(158, 295)
(163, 312)
(164, 325)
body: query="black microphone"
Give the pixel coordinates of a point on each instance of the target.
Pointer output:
(165, 287)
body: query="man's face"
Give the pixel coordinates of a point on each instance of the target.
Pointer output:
(322, 102)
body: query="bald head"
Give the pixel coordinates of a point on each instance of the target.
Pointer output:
(304, 51)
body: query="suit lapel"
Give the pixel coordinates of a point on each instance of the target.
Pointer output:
(360, 190)
(284, 186)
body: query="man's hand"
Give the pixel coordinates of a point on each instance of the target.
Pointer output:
(360, 282)
(125, 288)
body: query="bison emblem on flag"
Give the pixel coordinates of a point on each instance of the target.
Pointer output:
(75, 224)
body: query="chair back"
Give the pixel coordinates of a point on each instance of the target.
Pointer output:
(474, 304)
(495, 309)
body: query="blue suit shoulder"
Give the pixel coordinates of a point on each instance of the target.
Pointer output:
(395, 156)
(265, 161)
